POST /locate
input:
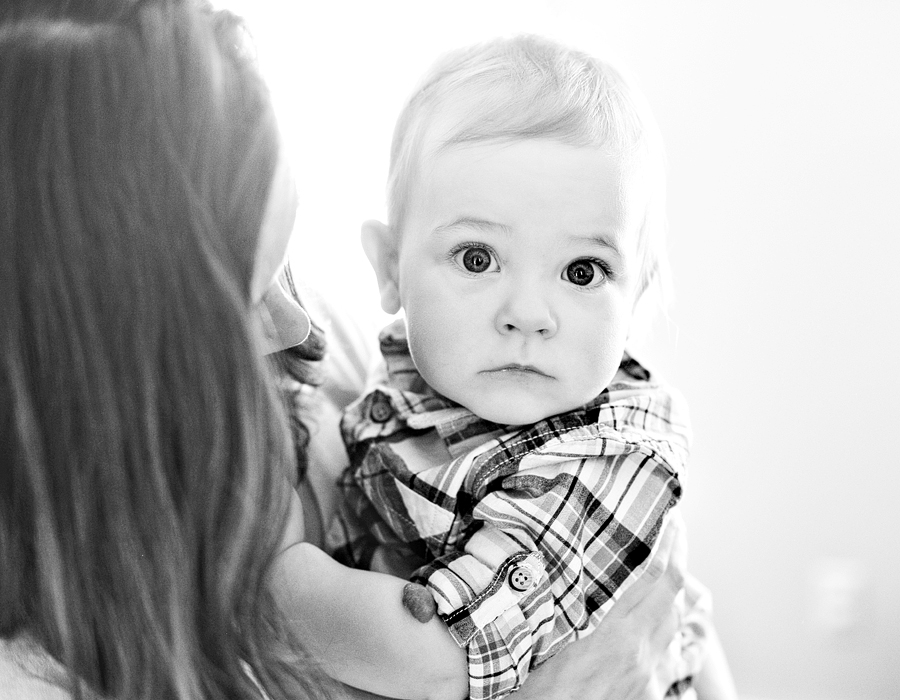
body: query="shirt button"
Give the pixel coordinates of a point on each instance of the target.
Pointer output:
(521, 578)
(381, 411)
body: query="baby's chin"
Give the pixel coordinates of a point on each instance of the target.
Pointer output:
(514, 413)
(515, 398)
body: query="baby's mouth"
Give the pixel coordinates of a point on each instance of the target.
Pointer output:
(517, 369)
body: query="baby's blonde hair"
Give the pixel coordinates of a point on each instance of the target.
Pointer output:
(529, 87)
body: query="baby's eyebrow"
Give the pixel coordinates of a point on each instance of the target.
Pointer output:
(600, 240)
(474, 223)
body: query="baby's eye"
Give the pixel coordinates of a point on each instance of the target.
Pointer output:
(476, 259)
(583, 272)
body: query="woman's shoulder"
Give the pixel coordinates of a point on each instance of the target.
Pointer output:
(351, 345)
(28, 672)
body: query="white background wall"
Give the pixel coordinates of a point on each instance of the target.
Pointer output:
(781, 121)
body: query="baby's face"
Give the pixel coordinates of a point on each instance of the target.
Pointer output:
(518, 272)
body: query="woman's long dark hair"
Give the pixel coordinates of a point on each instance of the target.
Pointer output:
(298, 369)
(143, 453)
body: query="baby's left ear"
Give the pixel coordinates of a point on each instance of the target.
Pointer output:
(380, 246)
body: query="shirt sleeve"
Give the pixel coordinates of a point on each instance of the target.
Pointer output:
(552, 549)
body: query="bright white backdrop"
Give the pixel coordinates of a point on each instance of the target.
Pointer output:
(781, 122)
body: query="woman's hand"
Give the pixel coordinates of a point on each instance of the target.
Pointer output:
(630, 656)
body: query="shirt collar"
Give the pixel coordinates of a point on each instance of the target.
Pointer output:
(412, 403)
(403, 400)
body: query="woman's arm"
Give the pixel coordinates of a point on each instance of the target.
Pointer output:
(354, 624)
(629, 656)
(353, 621)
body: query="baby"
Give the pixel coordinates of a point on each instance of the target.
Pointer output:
(514, 459)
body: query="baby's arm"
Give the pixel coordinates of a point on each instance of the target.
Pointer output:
(353, 622)
(626, 657)
(566, 535)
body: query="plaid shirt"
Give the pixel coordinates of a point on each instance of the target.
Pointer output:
(530, 533)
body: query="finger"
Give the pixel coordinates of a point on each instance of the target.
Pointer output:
(697, 596)
(656, 603)
(657, 567)
(419, 602)
(666, 601)
(670, 668)
(678, 558)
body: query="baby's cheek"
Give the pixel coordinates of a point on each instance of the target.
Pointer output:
(597, 367)
(437, 346)
(425, 349)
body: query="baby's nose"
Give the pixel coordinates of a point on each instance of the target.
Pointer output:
(527, 311)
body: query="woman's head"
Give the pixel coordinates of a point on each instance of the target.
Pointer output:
(143, 453)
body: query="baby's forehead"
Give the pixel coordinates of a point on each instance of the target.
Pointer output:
(444, 164)
(535, 192)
